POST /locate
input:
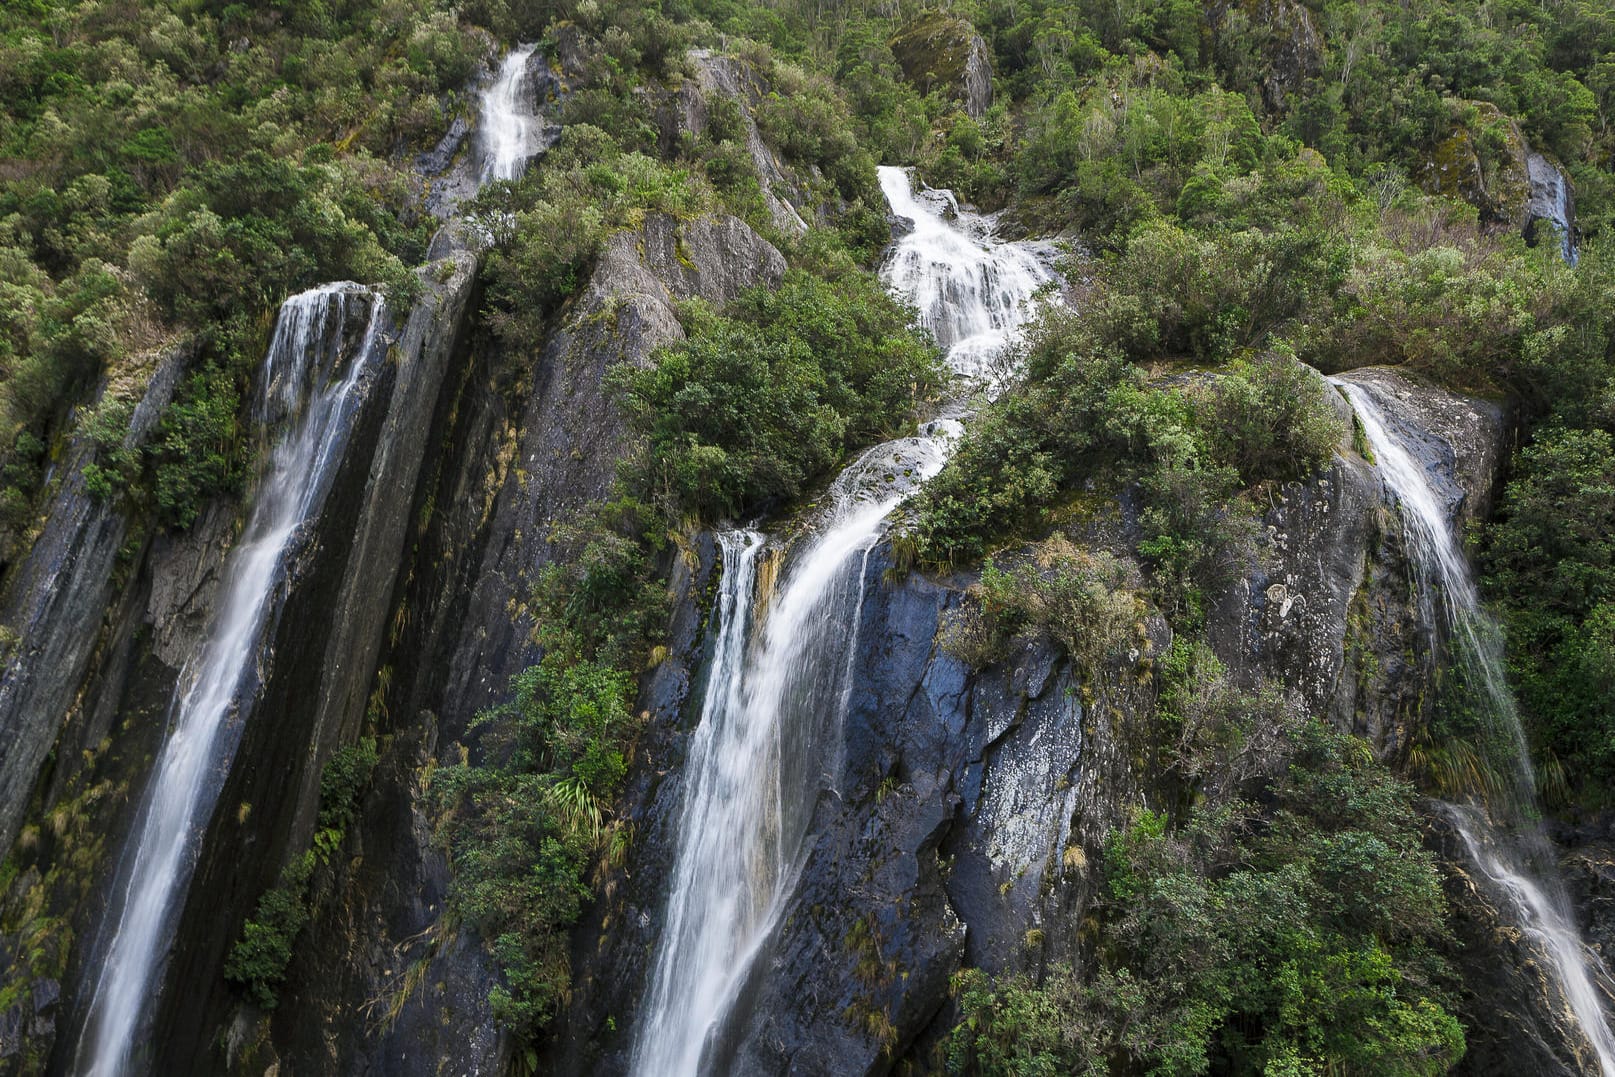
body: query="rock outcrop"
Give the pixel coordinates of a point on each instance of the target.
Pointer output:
(316, 672)
(1290, 45)
(1485, 160)
(55, 601)
(968, 806)
(944, 52)
(388, 982)
(1550, 202)
(728, 81)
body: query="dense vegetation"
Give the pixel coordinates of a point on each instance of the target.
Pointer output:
(174, 170)
(760, 400)
(1263, 191)
(1295, 937)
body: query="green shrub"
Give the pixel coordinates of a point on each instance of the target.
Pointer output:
(1084, 602)
(1551, 557)
(1297, 937)
(197, 453)
(257, 962)
(1270, 419)
(760, 400)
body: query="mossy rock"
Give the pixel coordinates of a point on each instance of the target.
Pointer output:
(944, 52)
(1482, 161)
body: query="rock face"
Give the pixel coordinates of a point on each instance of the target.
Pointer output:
(55, 601)
(943, 52)
(1329, 611)
(728, 80)
(386, 982)
(1512, 185)
(956, 824)
(316, 672)
(322, 660)
(1494, 183)
(967, 807)
(1550, 202)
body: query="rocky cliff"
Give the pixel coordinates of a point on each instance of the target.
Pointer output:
(960, 827)
(386, 980)
(316, 672)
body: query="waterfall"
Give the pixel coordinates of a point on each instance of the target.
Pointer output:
(309, 383)
(511, 133)
(972, 292)
(768, 737)
(1511, 850)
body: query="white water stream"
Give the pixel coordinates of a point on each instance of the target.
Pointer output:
(1516, 858)
(511, 132)
(779, 681)
(309, 378)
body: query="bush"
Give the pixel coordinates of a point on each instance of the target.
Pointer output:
(197, 453)
(1270, 419)
(526, 820)
(1246, 941)
(760, 400)
(1084, 602)
(258, 960)
(1551, 558)
(550, 227)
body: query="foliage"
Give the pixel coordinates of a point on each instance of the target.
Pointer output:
(1291, 938)
(258, 960)
(195, 454)
(1082, 601)
(760, 400)
(179, 168)
(551, 226)
(1269, 419)
(526, 821)
(1552, 555)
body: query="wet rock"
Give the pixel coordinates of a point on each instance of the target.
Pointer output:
(1552, 203)
(1509, 1003)
(1460, 439)
(318, 669)
(1588, 863)
(440, 157)
(968, 807)
(944, 52)
(560, 455)
(1513, 186)
(518, 454)
(55, 600)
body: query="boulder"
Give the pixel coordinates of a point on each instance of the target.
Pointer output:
(944, 52)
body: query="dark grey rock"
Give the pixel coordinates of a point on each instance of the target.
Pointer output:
(440, 157)
(55, 601)
(1552, 201)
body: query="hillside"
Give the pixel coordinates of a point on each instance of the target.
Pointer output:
(1016, 537)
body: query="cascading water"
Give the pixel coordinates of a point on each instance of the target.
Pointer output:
(309, 384)
(1501, 835)
(778, 683)
(972, 292)
(511, 132)
(310, 395)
